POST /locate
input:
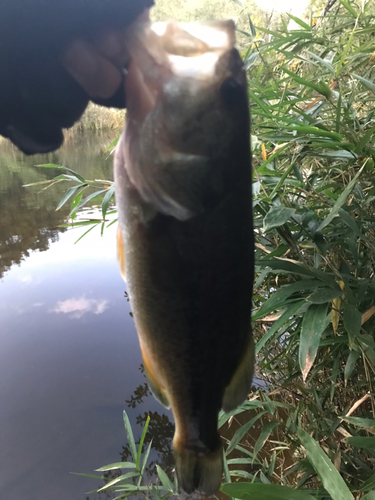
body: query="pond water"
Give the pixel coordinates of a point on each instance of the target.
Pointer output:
(69, 355)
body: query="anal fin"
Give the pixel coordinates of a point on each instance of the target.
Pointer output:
(156, 388)
(121, 252)
(240, 385)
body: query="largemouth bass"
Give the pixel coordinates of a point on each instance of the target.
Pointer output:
(183, 192)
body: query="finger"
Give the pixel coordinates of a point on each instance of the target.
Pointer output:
(98, 76)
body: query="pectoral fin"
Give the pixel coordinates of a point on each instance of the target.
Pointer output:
(240, 385)
(180, 184)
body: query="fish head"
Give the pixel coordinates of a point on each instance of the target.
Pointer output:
(203, 93)
(188, 107)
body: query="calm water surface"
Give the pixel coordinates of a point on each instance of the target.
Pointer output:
(69, 355)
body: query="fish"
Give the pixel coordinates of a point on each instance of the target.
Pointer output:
(185, 242)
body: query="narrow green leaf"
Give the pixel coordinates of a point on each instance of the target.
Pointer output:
(300, 22)
(113, 144)
(277, 299)
(165, 481)
(75, 201)
(313, 325)
(349, 8)
(281, 181)
(107, 198)
(369, 484)
(254, 98)
(350, 364)
(281, 265)
(240, 433)
(349, 221)
(367, 443)
(49, 165)
(365, 423)
(352, 320)
(130, 436)
(330, 477)
(287, 314)
(60, 167)
(86, 232)
(277, 216)
(69, 193)
(303, 81)
(341, 154)
(364, 140)
(226, 468)
(88, 198)
(141, 441)
(324, 295)
(369, 496)
(334, 375)
(144, 463)
(323, 62)
(253, 491)
(39, 183)
(367, 83)
(338, 113)
(112, 222)
(263, 436)
(273, 157)
(75, 174)
(340, 201)
(81, 223)
(117, 465)
(118, 479)
(155, 493)
(93, 476)
(308, 129)
(251, 26)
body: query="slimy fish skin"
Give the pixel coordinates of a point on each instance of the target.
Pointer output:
(183, 193)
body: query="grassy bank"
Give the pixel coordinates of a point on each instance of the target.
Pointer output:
(98, 118)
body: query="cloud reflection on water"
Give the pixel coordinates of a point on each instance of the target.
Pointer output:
(77, 307)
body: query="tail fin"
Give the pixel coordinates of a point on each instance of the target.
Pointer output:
(198, 470)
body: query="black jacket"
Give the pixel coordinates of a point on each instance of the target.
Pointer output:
(38, 98)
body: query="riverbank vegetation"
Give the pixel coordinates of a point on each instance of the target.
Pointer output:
(308, 429)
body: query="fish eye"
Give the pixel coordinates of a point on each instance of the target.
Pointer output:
(229, 90)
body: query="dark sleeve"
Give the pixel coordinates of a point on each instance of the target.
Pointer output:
(38, 97)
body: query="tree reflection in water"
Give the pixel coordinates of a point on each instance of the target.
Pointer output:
(160, 431)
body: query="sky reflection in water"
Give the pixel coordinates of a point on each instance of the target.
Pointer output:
(69, 360)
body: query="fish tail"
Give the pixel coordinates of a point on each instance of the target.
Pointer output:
(199, 470)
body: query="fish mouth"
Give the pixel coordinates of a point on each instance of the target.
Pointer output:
(163, 50)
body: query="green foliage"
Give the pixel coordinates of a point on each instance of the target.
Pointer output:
(126, 484)
(103, 196)
(314, 136)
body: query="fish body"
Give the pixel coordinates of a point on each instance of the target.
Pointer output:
(183, 192)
